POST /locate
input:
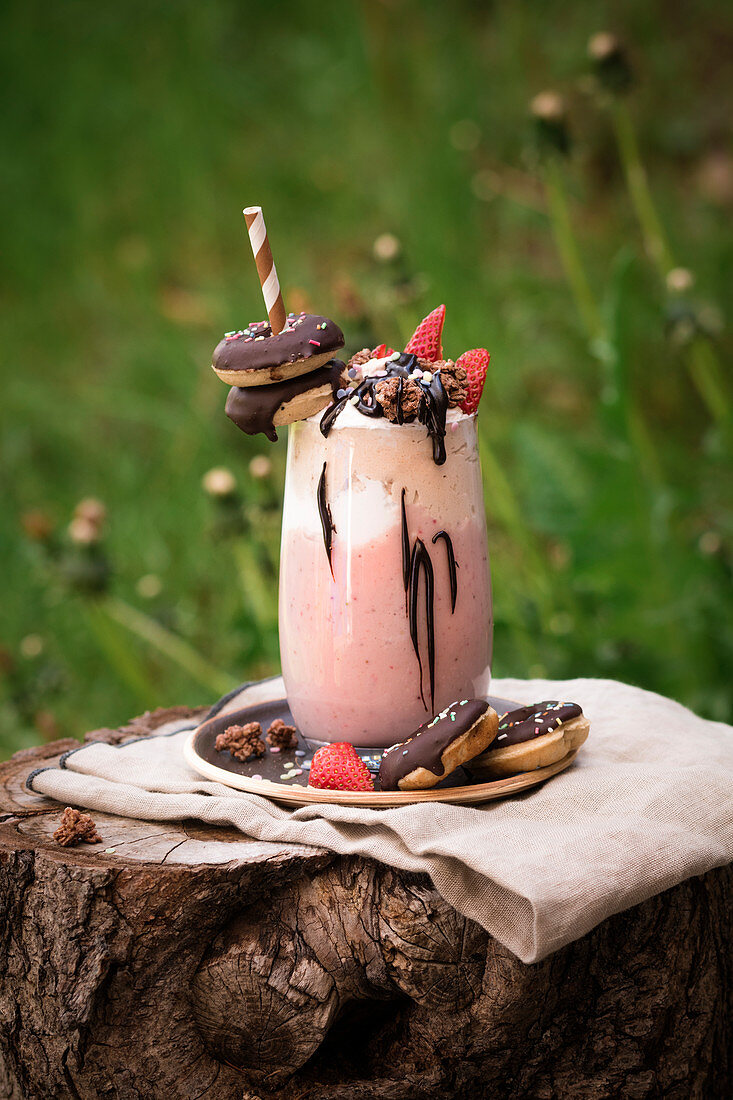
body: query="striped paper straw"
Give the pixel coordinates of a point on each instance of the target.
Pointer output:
(265, 267)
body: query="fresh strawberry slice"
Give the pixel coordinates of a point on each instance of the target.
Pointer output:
(338, 767)
(382, 351)
(426, 341)
(475, 364)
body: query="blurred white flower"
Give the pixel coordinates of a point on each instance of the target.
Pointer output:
(92, 509)
(260, 467)
(32, 646)
(83, 531)
(386, 247)
(603, 45)
(88, 521)
(219, 482)
(549, 106)
(149, 586)
(680, 280)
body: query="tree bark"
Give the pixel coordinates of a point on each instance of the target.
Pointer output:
(192, 962)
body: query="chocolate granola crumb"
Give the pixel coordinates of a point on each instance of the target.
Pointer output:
(76, 828)
(281, 736)
(454, 379)
(360, 358)
(387, 394)
(243, 742)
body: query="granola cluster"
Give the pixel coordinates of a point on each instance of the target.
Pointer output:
(407, 399)
(280, 736)
(389, 397)
(360, 358)
(76, 828)
(454, 379)
(243, 742)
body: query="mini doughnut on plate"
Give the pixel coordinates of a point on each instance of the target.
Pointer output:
(535, 752)
(454, 737)
(254, 356)
(265, 701)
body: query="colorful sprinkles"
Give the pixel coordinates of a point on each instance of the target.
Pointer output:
(259, 330)
(535, 720)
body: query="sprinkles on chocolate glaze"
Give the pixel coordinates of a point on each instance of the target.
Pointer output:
(526, 723)
(256, 348)
(401, 365)
(428, 743)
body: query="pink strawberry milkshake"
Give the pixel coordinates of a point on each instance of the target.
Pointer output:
(387, 633)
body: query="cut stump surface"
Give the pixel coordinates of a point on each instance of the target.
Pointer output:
(192, 962)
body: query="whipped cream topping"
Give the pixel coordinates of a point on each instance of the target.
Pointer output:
(350, 418)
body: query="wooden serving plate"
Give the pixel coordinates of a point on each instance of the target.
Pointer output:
(269, 776)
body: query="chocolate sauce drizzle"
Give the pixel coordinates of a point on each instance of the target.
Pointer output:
(420, 561)
(324, 511)
(415, 562)
(526, 723)
(431, 412)
(452, 566)
(253, 408)
(405, 552)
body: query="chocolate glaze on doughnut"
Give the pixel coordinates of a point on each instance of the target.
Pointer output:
(428, 743)
(253, 408)
(255, 347)
(526, 723)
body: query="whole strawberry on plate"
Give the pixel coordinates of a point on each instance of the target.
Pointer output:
(339, 767)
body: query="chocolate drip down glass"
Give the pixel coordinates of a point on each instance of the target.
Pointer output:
(385, 596)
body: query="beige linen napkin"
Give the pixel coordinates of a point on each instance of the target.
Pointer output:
(647, 804)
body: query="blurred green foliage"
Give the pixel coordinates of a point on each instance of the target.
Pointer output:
(132, 137)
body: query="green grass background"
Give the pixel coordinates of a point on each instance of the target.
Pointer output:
(133, 135)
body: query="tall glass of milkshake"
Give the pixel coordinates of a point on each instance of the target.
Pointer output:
(385, 596)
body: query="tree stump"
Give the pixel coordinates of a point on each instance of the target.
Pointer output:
(193, 962)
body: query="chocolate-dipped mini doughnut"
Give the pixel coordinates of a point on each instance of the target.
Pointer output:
(264, 408)
(533, 737)
(456, 735)
(254, 356)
